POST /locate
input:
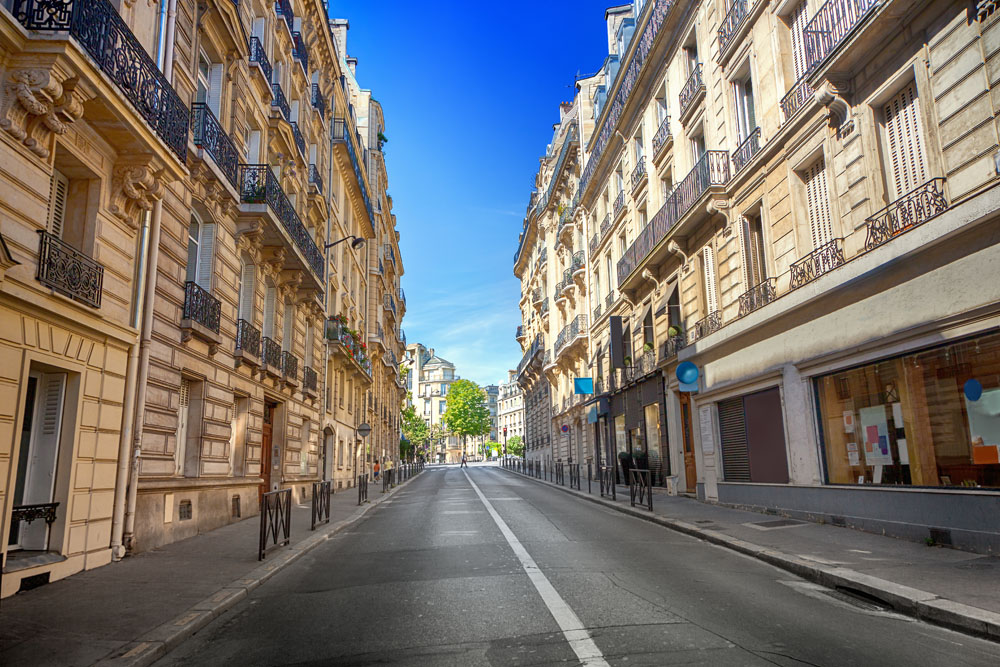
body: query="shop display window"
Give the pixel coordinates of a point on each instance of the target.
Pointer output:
(930, 418)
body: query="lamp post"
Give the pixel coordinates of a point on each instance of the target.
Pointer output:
(505, 442)
(356, 244)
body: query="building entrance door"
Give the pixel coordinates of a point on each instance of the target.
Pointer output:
(690, 464)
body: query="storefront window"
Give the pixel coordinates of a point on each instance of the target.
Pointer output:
(621, 444)
(927, 419)
(652, 415)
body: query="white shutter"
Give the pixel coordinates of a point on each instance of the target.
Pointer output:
(43, 454)
(743, 237)
(308, 356)
(253, 148)
(58, 191)
(711, 295)
(906, 145)
(269, 302)
(206, 252)
(215, 89)
(233, 425)
(798, 24)
(248, 286)
(819, 204)
(180, 450)
(288, 328)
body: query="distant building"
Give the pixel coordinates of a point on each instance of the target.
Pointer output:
(510, 409)
(428, 382)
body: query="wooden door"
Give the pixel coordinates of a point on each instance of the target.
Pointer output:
(265, 450)
(690, 465)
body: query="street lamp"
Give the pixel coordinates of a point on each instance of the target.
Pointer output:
(356, 244)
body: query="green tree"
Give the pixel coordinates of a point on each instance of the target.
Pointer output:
(466, 412)
(487, 448)
(515, 446)
(413, 426)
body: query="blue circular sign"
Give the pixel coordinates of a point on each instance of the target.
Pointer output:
(687, 372)
(973, 390)
(565, 428)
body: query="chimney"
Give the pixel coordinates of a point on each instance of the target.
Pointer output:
(339, 28)
(352, 64)
(564, 108)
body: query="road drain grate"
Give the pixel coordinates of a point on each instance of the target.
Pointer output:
(859, 599)
(779, 523)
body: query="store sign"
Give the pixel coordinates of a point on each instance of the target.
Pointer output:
(583, 386)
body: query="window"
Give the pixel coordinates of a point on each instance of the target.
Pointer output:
(251, 150)
(622, 246)
(288, 328)
(818, 203)
(698, 146)
(661, 107)
(597, 287)
(609, 272)
(442, 406)
(270, 297)
(746, 121)
(637, 147)
(752, 249)
(798, 21)
(201, 248)
(309, 343)
(444, 389)
(619, 181)
(904, 143)
(708, 270)
(209, 90)
(248, 286)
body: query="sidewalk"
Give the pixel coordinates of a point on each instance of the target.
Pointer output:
(953, 588)
(134, 611)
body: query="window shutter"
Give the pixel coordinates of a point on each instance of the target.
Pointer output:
(215, 90)
(744, 235)
(182, 426)
(819, 204)
(906, 145)
(248, 286)
(206, 253)
(58, 191)
(733, 434)
(308, 356)
(288, 328)
(798, 24)
(43, 455)
(711, 295)
(269, 301)
(233, 425)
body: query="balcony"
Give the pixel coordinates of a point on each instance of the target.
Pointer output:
(211, 138)
(711, 170)
(638, 174)
(746, 150)
(318, 101)
(911, 210)
(570, 333)
(705, 326)
(314, 179)
(609, 300)
(731, 24)
(530, 355)
(670, 347)
(619, 203)
(594, 242)
(389, 303)
(299, 52)
(564, 155)
(279, 102)
(692, 93)
(830, 25)
(258, 57)
(795, 99)
(757, 297)
(519, 335)
(401, 295)
(290, 368)
(544, 310)
(201, 315)
(662, 138)
(104, 35)
(343, 342)
(344, 136)
(822, 260)
(309, 382)
(597, 311)
(284, 9)
(258, 185)
(536, 296)
(300, 142)
(270, 356)
(68, 271)
(247, 344)
(579, 264)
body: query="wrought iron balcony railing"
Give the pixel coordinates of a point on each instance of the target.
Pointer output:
(822, 260)
(309, 380)
(609, 300)
(639, 173)
(570, 332)
(597, 311)
(342, 135)
(757, 297)
(314, 178)
(284, 10)
(545, 307)
(248, 338)
(299, 51)
(318, 101)
(795, 99)
(746, 150)
(571, 139)
(520, 333)
(594, 242)
(670, 347)
(279, 102)
(68, 271)
(401, 295)
(662, 134)
(271, 353)
(201, 307)
(605, 225)
(104, 35)
(289, 366)
(300, 142)
(911, 210)
(830, 25)
(258, 185)
(536, 295)
(530, 353)
(692, 87)
(734, 18)
(705, 326)
(579, 261)
(258, 56)
(209, 136)
(619, 202)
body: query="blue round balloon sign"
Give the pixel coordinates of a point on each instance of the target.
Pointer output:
(973, 390)
(687, 372)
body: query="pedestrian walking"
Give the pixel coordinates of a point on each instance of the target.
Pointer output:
(388, 472)
(465, 464)
(375, 470)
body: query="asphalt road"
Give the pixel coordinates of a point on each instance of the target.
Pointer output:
(533, 576)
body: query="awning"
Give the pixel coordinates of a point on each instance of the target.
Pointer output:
(663, 307)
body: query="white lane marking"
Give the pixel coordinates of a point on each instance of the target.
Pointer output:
(572, 628)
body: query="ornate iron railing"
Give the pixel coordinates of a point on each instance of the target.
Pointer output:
(68, 271)
(734, 18)
(705, 326)
(318, 101)
(605, 225)
(519, 334)
(594, 241)
(279, 102)
(271, 353)
(209, 135)
(247, 338)
(29, 513)
(401, 295)
(579, 261)
(912, 209)
(662, 134)
(796, 98)
(105, 36)
(299, 51)
(315, 178)
(692, 87)
(258, 185)
(545, 307)
(822, 260)
(746, 150)
(639, 173)
(289, 366)
(570, 332)
(258, 56)
(309, 379)
(275, 520)
(670, 347)
(536, 295)
(300, 142)
(284, 10)
(571, 137)
(619, 202)
(609, 299)
(201, 307)
(597, 311)
(830, 25)
(530, 353)
(757, 297)
(341, 135)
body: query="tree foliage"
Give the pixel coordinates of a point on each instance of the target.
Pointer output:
(414, 427)
(466, 412)
(515, 446)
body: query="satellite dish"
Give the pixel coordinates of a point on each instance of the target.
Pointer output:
(364, 430)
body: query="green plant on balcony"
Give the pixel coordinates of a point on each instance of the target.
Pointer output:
(675, 330)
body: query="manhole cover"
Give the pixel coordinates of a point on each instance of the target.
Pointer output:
(779, 523)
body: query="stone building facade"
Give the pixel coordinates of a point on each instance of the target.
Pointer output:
(428, 382)
(510, 409)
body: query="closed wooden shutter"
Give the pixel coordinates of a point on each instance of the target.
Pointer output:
(819, 204)
(248, 286)
(744, 255)
(206, 253)
(58, 192)
(288, 328)
(215, 89)
(799, 18)
(905, 141)
(308, 355)
(270, 297)
(733, 433)
(711, 293)
(180, 449)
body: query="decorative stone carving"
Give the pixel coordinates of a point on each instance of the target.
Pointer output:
(830, 94)
(136, 183)
(210, 192)
(715, 206)
(36, 104)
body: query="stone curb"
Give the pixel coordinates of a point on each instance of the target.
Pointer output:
(163, 639)
(903, 599)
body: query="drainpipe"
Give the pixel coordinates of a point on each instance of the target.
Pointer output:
(127, 538)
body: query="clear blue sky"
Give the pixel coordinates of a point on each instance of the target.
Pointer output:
(470, 94)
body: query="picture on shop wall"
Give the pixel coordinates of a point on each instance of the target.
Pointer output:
(875, 435)
(984, 427)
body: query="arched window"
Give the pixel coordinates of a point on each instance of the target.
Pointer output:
(270, 297)
(201, 248)
(248, 287)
